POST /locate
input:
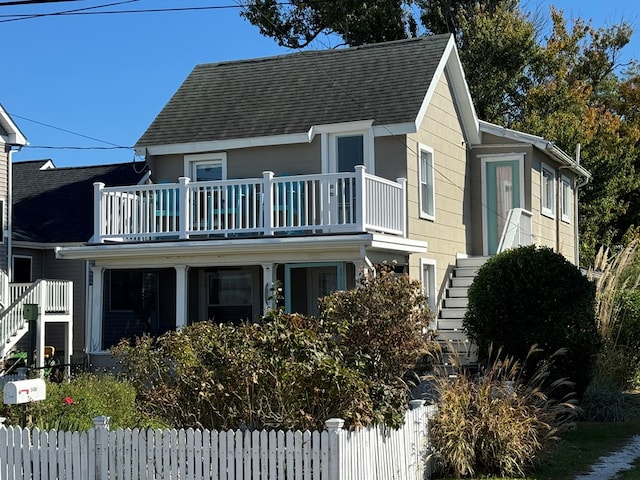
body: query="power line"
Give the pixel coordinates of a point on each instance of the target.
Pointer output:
(14, 18)
(33, 2)
(114, 145)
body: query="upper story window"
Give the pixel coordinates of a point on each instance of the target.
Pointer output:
(565, 199)
(349, 152)
(345, 145)
(206, 167)
(426, 191)
(548, 191)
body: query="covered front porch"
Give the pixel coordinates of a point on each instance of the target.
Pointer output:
(156, 287)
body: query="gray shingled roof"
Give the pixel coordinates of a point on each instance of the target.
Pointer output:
(56, 205)
(386, 82)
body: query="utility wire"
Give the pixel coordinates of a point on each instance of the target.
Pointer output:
(33, 2)
(66, 12)
(114, 145)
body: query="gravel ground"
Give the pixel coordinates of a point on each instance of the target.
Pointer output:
(607, 467)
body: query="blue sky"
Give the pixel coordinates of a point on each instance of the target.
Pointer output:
(108, 76)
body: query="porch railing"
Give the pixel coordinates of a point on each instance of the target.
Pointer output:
(54, 298)
(517, 230)
(337, 202)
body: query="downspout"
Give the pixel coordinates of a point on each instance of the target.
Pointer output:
(577, 187)
(10, 207)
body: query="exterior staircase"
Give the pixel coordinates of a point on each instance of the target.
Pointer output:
(456, 347)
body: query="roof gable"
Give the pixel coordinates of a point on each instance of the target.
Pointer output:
(289, 94)
(9, 131)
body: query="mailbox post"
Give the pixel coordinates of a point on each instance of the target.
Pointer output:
(30, 314)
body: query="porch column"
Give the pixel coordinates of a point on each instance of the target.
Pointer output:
(68, 336)
(181, 296)
(267, 281)
(267, 202)
(403, 206)
(95, 328)
(361, 203)
(40, 329)
(184, 222)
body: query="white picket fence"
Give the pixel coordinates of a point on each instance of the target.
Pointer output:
(373, 453)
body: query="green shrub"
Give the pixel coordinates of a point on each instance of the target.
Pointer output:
(72, 406)
(496, 424)
(533, 296)
(289, 371)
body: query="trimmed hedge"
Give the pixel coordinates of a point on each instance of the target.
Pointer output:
(531, 295)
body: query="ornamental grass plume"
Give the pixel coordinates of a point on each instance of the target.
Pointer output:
(494, 424)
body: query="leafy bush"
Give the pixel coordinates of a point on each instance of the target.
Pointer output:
(72, 406)
(533, 296)
(496, 424)
(289, 371)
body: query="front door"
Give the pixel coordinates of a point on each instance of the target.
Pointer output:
(503, 191)
(305, 283)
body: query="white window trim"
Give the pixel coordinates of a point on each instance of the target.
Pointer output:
(430, 289)
(190, 161)
(546, 211)
(565, 197)
(431, 173)
(4, 223)
(328, 135)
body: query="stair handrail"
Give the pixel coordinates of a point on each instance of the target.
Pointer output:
(517, 230)
(10, 323)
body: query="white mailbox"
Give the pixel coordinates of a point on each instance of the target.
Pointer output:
(24, 391)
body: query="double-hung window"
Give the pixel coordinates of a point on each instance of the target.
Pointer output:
(428, 277)
(426, 191)
(548, 191)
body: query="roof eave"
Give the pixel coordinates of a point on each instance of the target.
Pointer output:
(539, 142)
(14, 135)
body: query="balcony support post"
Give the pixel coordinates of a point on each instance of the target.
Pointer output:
(183, 204)
(267, 203)
(181, 296)
(98, 218)
(403, 206)
(361, 204)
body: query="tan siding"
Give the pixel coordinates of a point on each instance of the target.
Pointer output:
(450, 233)
(294, 159)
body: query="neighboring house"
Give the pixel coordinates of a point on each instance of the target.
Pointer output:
(53, 299)
(53, 208)
(308, 169)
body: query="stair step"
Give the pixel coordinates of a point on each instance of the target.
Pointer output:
(471, 261)
(465, 272)
(450, 324)
(457, 292)
(456, 302)
(453, 312)
(461, 281)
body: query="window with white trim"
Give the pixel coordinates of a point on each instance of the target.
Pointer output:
(565, 199)
(428, 279)
(3, 224)
(548, 191)
(206, 167)
(426, 189)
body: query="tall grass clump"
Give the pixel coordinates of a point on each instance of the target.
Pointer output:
(497, 424)
(617, 279)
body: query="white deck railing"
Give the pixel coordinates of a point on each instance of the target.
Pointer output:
(337, 202)
(517, 230)
(55, 301)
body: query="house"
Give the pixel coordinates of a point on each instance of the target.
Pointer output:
(43, 304)
(307, 170)
(52, 208)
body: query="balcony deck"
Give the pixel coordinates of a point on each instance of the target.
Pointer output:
(303, 204)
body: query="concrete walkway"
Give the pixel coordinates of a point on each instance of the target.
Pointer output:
(607, 467)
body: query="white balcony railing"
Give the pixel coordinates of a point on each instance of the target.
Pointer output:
(337, 202)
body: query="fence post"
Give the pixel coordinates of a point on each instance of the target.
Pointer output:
(101, 427)
(334, 429)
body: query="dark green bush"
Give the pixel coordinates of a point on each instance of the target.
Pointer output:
(496, 424)
(605, 400)
(72, 406)
(532, 296)
(289, 371)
